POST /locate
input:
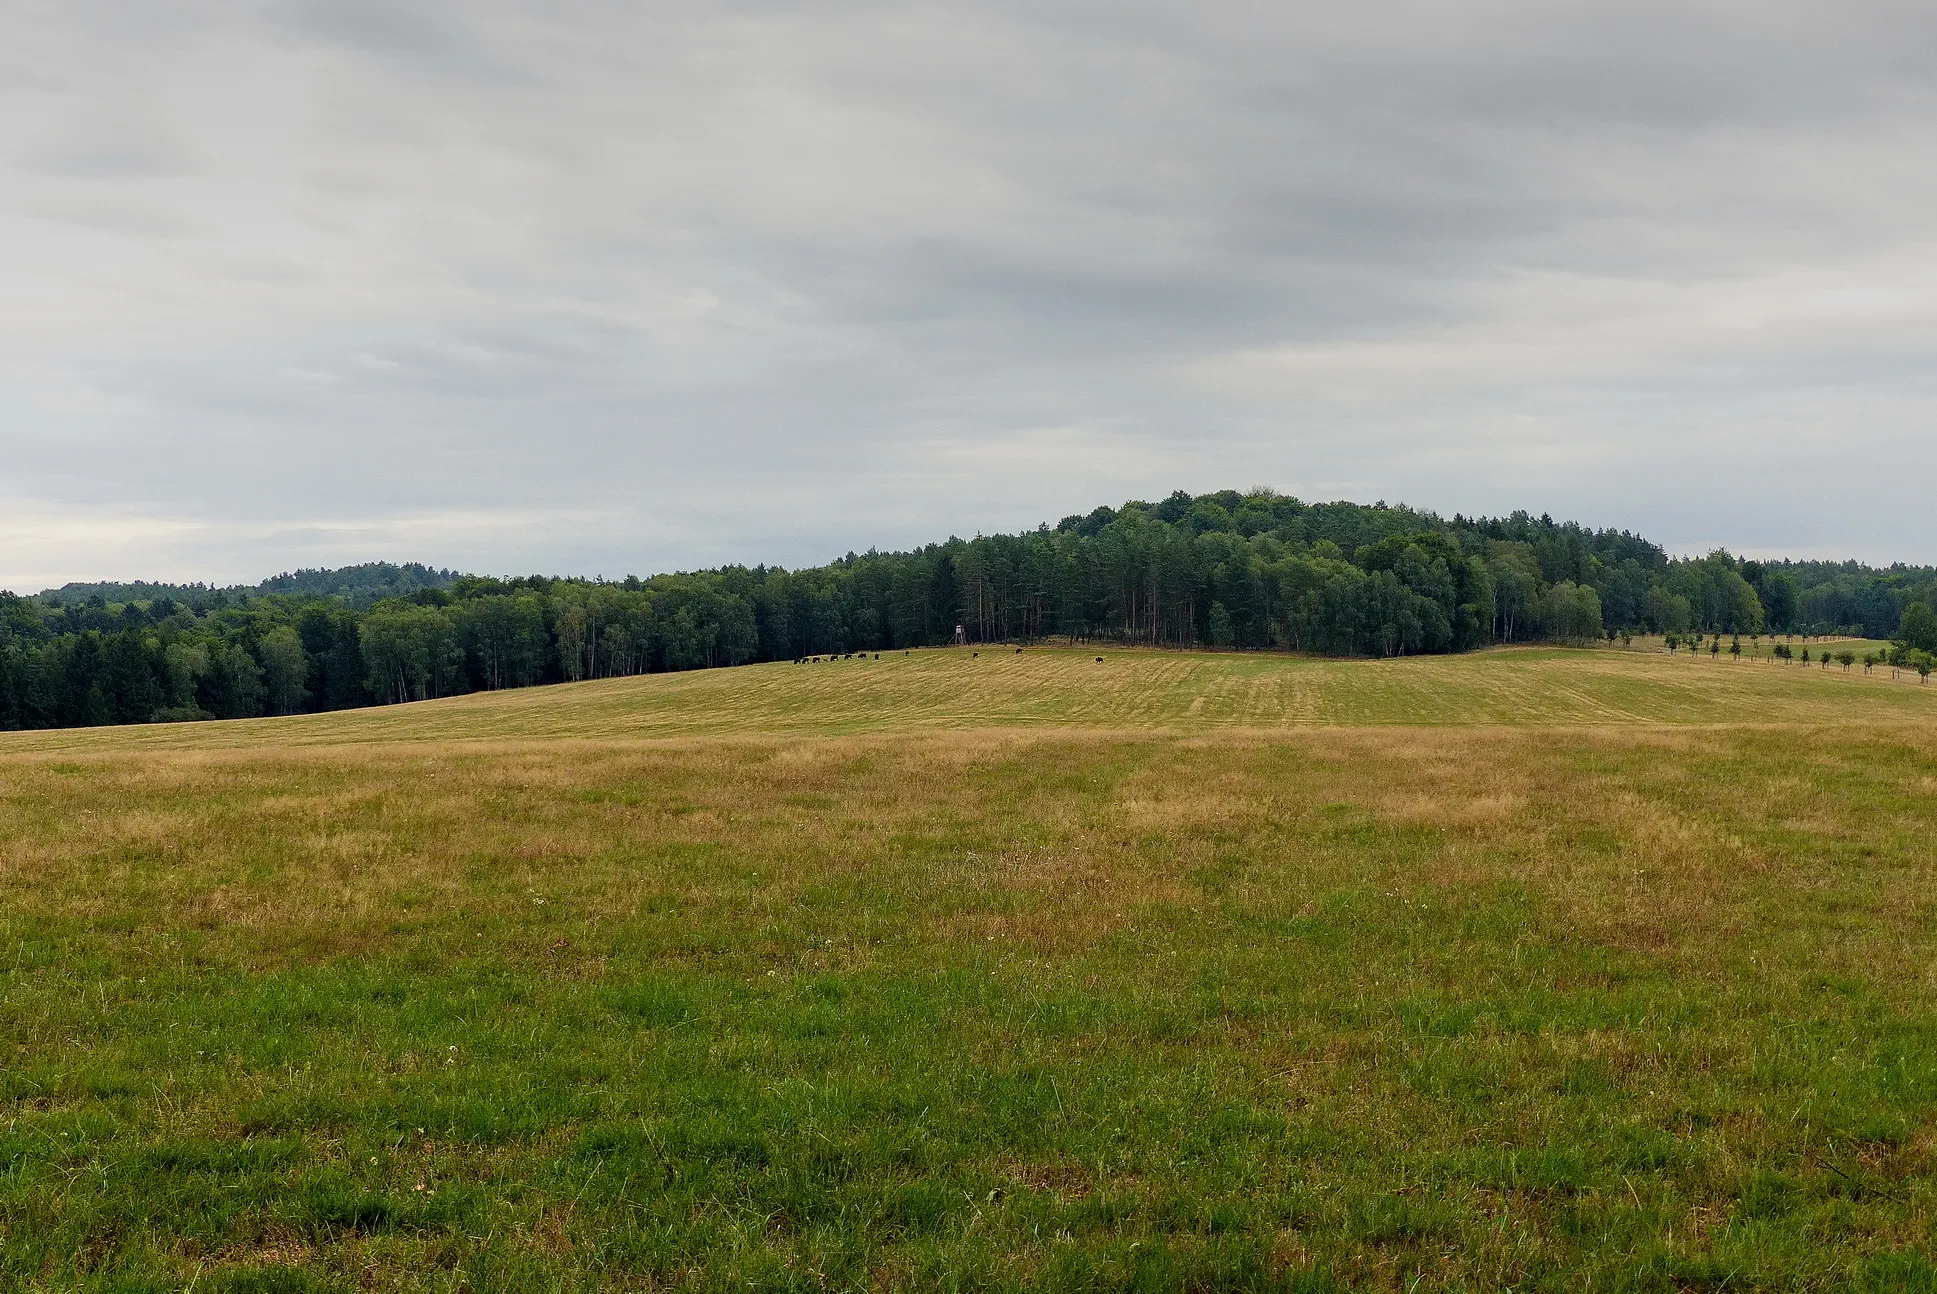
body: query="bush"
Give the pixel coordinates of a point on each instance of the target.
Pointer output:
(181, 714)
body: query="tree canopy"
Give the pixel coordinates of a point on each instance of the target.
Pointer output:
(1246, 571)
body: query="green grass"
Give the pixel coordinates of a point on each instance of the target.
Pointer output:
(1632, 994)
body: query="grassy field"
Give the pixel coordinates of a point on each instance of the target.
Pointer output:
(1126, 690)
(1532, 970)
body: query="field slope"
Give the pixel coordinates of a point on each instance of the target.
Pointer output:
(1069, 688)
(1528, 969)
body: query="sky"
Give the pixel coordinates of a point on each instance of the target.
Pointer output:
(582, 287)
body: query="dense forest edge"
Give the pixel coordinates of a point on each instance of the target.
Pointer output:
(1255, 570)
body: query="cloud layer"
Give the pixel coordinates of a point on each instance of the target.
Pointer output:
(599, 288)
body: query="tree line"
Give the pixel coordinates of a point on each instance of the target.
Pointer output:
(1253, 570)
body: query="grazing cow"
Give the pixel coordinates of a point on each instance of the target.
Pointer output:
(1018, 651)
(1099, 660)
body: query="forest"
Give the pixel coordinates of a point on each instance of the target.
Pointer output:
(1245, 571)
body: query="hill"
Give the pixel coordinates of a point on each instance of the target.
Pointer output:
(1134, 690)
(1253, 572)
(357, 586)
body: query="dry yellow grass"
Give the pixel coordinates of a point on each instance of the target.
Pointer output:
(1068, 688)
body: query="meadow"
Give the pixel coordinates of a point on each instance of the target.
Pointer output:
(1528, 969)
(1066, 688)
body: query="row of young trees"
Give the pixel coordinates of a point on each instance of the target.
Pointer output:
(1247, 571)
(1915, 647)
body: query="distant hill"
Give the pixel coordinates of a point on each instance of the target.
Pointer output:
(359, 586)
(1249, 571)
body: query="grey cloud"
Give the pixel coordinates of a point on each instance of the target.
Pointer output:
(112, 217)
(767, 281)
(414, 32)
(109, 150)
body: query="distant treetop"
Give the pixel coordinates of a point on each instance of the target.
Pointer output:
(359, 586)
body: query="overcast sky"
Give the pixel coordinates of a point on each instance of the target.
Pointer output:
(596, 287)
